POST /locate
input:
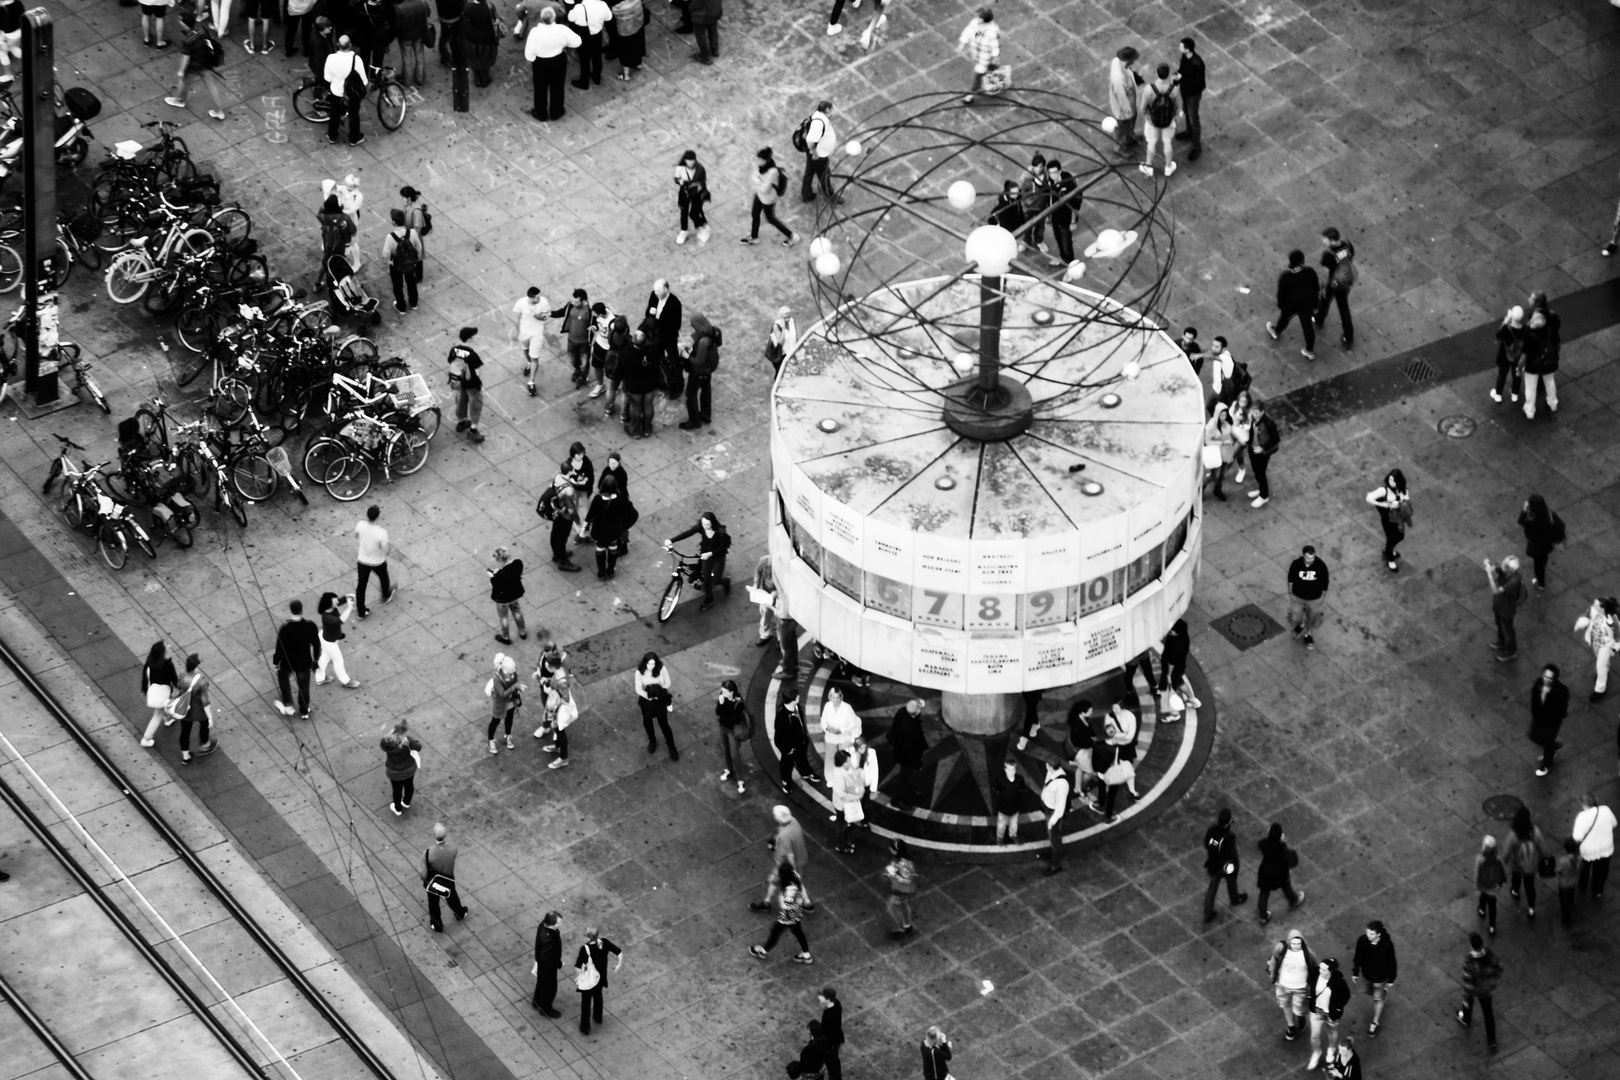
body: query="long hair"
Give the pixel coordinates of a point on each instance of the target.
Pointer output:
(1538, 510)
(326, 602)
(1275, 834)
(713, 520)
(786, 875)
(731, 685)
(1397, 480)
(158, 653)
(658, 665)
(1521, 825)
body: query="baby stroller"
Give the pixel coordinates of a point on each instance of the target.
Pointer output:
(347, 292)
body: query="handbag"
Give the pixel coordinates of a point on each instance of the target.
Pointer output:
(1546, 867)
(437, 884)
(181, 704)
(1212, 457)
(157, 695)
(996, 80)
(588, 978)
(1292, 859)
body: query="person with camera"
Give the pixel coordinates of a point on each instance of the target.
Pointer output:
(652, 694)
(936, 1055)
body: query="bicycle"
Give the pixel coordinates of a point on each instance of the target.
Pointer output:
(207, 470)
(133, 271)
(90, 509)
(65, 354)
(342, 462)
(393, 99)
(687, 568)
(257, 465)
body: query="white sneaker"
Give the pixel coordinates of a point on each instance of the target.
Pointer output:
(1170, 169)
(284, 710)
(1147, 170)
(320, 680)
(1238, 478)
(597, 390)
(703, 235)
(680, 237)
(510, 745)
(493, 748)
(1259, 502)
(866, 38)
(834, 29)
(560, 763)
(1495, 396)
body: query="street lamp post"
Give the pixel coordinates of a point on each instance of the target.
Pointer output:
(38, 118)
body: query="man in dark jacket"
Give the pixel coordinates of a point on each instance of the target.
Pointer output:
(1339, 260)
(908, 745)
(1173, 668)
(298, 649)
(321, 43)
(1375, 962)
(1263, 442)
(547, 959)
(812, 1058)
(410, 26)
(1307, 586)
(700, 367)
(1549, 704)
(1481, 971)
(832, 1030)
(704, 15)
(638, 376)
(663, 328)
(1065, 199)
(1221, 863)
(1507, 593)
(1190, 81)
(576, 328)
(452, 52)
(792, 740)
(1298, 289)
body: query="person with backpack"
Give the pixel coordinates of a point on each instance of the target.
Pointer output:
(201, 54)
(1481, 972)
(1394, 504)
(1489, 877)
(901, 874)
(700, 367)
(403, 253)
(1507, 593)
(1161, 104)
(816, 139)
(770, 181)
(346, 83)
(559, 504)
(1339, 260)
(468, 384)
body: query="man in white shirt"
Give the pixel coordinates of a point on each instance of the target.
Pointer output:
(532, 311)
(1055, 797)
(372, 558)
(819, 141)
(544, 52)
(1594, 831)
(590, 16)
(336, 73)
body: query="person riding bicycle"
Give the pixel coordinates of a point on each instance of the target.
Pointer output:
(712, 547)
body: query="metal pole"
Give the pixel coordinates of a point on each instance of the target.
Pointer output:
(991, 304)
(38, 118)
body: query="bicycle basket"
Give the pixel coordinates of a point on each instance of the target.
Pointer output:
(277, 457)
(411, 394)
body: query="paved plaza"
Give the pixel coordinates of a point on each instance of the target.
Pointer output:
(1469, 150)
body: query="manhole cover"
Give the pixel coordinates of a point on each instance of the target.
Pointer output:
(1503, 807)
(1419, 370)
(1247, 627)
(1457, 427)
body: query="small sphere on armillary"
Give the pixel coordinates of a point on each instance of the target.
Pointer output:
(853, 148)
(819, 247)
(828, 264)
(961, 195)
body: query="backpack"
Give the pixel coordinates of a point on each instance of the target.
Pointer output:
(1343, 274)
(1241, 379)
(212, 50)
(1558, 532)
(1161, 109)
(903, 877)
(781, 180)
(406, 259)
(354, 87)
(1491, 874)
(458, 372)
(546, 507)
(427, 222)
(801, 135)
(335, 232)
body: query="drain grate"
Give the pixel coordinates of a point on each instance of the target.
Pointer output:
(1419, 370)
(1247, 627)
(1502, 807)
(1457, 427)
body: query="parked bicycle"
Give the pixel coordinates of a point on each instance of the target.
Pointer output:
(65, 354)
(392, 95)
(90, 508)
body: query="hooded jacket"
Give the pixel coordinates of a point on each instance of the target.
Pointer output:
(705, 346)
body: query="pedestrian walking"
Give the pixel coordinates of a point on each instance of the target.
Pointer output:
(532, 311)
(1123, 98)
(817, 139)
(831, 1030)
(298, 648)
(811, 1063)
(592, 980)
(506, 590)
(705, 18)
(346, 81)
(783, 337)
(1339, 263)
(1161, 105)
(840, 727)
(1277, 860)
(787, 848)
(936, 1055)
(769, 182)
(159, 683)
(402, 251)
(201, 55)
(789, 916)
(1221, 863)
(548, 64)
(1173, 681)
(547, 962)
(439, 878)
(1481, 972)
(1614, 231)
(1543, 340)
(873, 34)
(713, 544)
(1264, 441)
(610, 518)
(1543, 531)
(1307, 589)
(410, 27)
(654, 697)
(630, 27)
(590, 19)
(1294, 971)
(1522, 855)
(901, 874)
(1055, 792)
(691, 192)
(1567, 871)
(1594, 832)
(561, 709)
(1549, 705)
(1298, 289)
(371, 558)
(736, 729)
(1598, 629)
(700, 367)
(1344, 1063)
(468, 384)
(1510, 354)
(1394, 504)
(1329, 995)
(1508, 591)
(1489, 877)
(195, 707)
(1190, 80)
(505, 695)
(1219, 447)
(847, 785)
(402, 757)
(334, 611)
(1374, 963)
(792, 740)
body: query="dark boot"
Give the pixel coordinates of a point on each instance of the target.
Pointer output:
(601, 564)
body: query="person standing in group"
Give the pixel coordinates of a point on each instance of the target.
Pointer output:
(1339, 260)
(195, 707)
(334, 612)
(298, 647)
(560, 707)
(1594, 832)
(1549, 706)
(787, 848)
(1242, 409)
(1263, 443)
(1508, 591)
(346, 81)
(705, 18)
(908, 744)
(548, 64)
(1543, 340)
(769, 182)
(593, 957)
(831, 1028)
(700, 368)
(591, 17)
(159, 683)
(200, 56)
(1543, 531)
(618, 349)
(452, 47)
(438, 876)
(505, 695)
(1227, 377)
(1161, 104)
(1055, 797)
(736, 728)
(789, 916)
(1374, 963)
(1293, 970)
(1394, 504)
(532, 311)
(400, 749)
(1122, 98)
(402, 251)
(152, 33)
(410, 26)
(1221, 863)
(1307, 588)
(1489, 877)
(1509, 352)
(621, 482)
(901, 874)
(1598, 629)
(639, 376)
(840, 726)
(1218, 437)
(819, 142)
(337, 230)
(481, 37)
(792, 740)
(506, 590)
(664, 334)
(654, 697)
(713, 544)
(467, 383)
(607, 521)
(564, 520)
(578, 469)
(1277, 859)
(1177, 646)
(1567, 870)
(1481, 972)
(630, 27)
(1298, 289)
(1191, 82)
(1523, 851)
(602, 318)
(1329, 995)
(547, 962)
(1065, 200)
(846, 785)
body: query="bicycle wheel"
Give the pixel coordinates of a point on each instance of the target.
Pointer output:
(196, 241)
(61, 264)
(135, 536)
(74, 509)
(313, 321)
(672, 596)
(231, 225)
(393, 368)
(232, 399)
(321, 455)
(357, 356)
(349, 478)
(407, 452)
(427, 421)
(73, 154)
(128, 277)
(188, 365)
(253, 477)
(153, 431)
(93, 388)
(11, 268)
(89, 256)
(178, 531)
(124, 490)
(164, 295)
(236, 507)
(196, 474)
(196, 328)
(391, 105)
(247, 271)
(114, 548)
(309, 101)
(50, 477)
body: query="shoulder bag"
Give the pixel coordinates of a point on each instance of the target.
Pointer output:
(181, 704)
(437, 884)
(588, 978)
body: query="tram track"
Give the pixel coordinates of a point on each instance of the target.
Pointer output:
(42, 1031)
